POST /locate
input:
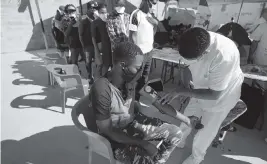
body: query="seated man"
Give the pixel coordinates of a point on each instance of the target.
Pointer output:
(118, 118)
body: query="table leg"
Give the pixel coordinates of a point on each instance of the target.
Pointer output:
(165, 71)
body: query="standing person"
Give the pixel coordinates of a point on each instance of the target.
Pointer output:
(258, 49)
(58, 33)
(72, 34)
(143, 26)
(86, 37)
(111, 101)
(99, 34)
(214, 62)
(118, 24)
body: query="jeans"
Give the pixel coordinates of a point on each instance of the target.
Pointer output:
(153, 129)
(89, 55)
(146, 71)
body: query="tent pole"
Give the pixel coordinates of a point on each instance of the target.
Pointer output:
(81, 6)
(240, 11)
(42, 24)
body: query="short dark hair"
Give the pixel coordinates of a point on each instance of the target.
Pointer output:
(193, 43)
(69, 5)
(121, 2)
(126, 52)
(101, 6)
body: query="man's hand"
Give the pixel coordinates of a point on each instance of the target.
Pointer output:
(98, 57)
(151, 149)
(152, 20)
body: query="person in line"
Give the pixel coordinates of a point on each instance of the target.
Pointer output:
(58, 33)
(72, 34)
(86, 37)
(214, 63)
(99, 34)
(118, 24)
(258, 51)
(143, 26)
(111, 101)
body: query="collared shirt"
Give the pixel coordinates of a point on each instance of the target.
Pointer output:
(118, 28)
(219, 70)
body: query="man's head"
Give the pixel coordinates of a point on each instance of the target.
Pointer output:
(127, 62)
(70, 10)
(102, 11)
(92, 7)
(119, 6)
(193, 43)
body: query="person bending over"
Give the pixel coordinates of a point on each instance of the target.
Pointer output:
(99, 32)
(117, 117)
(214, 62)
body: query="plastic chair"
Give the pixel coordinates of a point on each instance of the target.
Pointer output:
(69, 81)
(97, 143)
(53, 58)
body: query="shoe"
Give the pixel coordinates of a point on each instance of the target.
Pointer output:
(192, 160)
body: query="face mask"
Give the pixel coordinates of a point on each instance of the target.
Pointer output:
(120, 10)
(96, 13)
(129, 77)
(103, 17)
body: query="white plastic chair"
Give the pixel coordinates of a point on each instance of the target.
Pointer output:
(97, 143)
(69, 81)
(53, 58)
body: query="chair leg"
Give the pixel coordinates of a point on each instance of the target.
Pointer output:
(90, 156)
(63, 101)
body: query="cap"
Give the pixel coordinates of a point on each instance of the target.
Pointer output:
(92, 4)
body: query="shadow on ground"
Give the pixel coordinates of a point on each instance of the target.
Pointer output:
(64, 144)
(34, 74)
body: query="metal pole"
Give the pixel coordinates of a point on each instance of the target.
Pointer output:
(81, 6)
(240, 11)
(41, 22)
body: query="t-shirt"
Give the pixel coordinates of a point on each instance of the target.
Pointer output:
(219, 70)
(144, 36)
(74, 39)
(107, 102)
(260, 34)
(99, 31)
(85, 32)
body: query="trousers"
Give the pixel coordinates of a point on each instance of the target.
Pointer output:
(212, 122)
(145, 74)
(151, 129)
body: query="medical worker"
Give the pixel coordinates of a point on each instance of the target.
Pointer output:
(214, 62)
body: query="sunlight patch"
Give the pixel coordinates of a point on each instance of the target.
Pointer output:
(71, 102)
(252, 160)
(35, 97)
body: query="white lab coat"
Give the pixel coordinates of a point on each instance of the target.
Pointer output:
(219, 69)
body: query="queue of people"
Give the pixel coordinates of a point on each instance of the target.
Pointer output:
(123, 43)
